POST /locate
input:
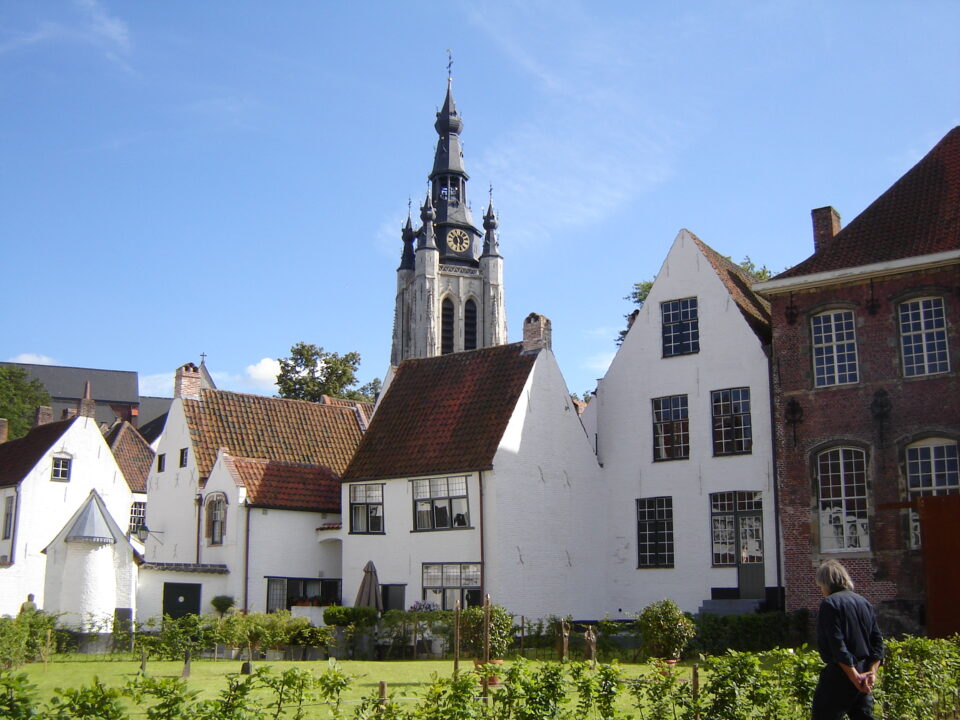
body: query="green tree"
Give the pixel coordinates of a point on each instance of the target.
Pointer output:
(311, 372)
(19, 397)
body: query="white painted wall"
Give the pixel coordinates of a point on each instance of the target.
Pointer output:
(545, 514)
(730, 356)
(45, 505)
(150, 590)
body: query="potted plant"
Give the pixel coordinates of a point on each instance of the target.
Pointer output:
(665, 630)
(501, 634)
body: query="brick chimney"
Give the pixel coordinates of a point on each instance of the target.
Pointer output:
(186, 383)
(68, 414)
(88, 406)
(43, 415)
(536, 332)
(826, 225)
(4, 430)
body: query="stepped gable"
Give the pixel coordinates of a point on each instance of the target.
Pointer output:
(270, 428)
(132, 453)
(443, 414)
(18, 457)
(918, 215)
(287, 486)
(755, 309)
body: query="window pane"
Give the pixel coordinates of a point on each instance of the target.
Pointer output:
(460, 512)
(470, 574)
(432, 575)
(834, 348)
(424, 515)
(451, 575)
(375, 515)
(843, 503)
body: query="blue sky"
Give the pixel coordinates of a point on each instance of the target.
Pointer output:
(231, 178)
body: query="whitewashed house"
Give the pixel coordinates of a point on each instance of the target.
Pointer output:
(681, 426)
(47, 477)
(476, 477)
(210, 430)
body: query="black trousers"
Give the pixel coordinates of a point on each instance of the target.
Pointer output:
(836, 696)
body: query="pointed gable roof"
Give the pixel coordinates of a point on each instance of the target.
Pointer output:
(287, 486)
(133, 455)
(918, 215)
(443, 414)
(18, 457)
(256, 426)
(738, 282)
(92, 523)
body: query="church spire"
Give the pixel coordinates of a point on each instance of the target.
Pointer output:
(491, 245)
(408, 235)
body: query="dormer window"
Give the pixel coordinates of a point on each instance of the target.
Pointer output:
(61, 469)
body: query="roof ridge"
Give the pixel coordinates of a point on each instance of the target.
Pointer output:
(271, 398)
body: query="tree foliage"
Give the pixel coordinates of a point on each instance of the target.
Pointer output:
(19, 398)
(311, 372)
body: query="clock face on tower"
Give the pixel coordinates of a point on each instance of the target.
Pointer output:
(458, 240)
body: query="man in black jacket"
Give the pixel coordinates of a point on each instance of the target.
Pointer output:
(851, 646)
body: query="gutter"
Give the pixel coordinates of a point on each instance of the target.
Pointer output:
(483, 564)
(774, 387)
(246, 561)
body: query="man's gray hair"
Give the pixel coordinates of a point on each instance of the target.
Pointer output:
(832, 576)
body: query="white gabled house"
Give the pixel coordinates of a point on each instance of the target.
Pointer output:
(47, 477)
(476, 477)
(259, 545)
(682, 427)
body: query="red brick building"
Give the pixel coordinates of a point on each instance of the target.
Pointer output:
(866, 350)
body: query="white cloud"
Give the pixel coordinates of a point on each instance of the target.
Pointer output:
(110, 32)
(263, 374)
(33, 359)
(157, 385)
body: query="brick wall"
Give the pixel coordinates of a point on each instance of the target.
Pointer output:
(891, 574)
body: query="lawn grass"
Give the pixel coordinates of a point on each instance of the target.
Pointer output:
(404, 678)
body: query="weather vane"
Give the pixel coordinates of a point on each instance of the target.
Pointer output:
(491, 193)
(449, 63)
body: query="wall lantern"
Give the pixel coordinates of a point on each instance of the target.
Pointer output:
(794, 416)
(791, 312)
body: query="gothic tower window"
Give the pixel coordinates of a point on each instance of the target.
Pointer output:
(470, 325)
(446, 327)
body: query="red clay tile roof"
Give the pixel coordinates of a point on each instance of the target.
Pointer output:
(290, 486)
(133, 455)
(918, 215)
(363, 407)
(18, 457)
(443, 414)
(755, 309)
(270, 428)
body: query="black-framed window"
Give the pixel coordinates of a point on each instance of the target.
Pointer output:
(161, 462)
(440, 503)
(834, 348)
(394, 596)
(446, 326)
(469, 325)
(184, 455)
(216, 519)
(727, 539)
(732, 431)
(923, 337)
(284, 592)
(61, 469)
(655, 532)
(932, 469)
(671, 428)
(366, 508)
(8, 517)
(448, 583)
(138, 515)
(842, 485)
(680, 327)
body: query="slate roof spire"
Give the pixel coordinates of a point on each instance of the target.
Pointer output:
(406, 259)
(491, 245)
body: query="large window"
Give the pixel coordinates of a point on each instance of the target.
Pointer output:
(8, 517)
(671, 428)
(923, 337)
(655, 532)
(681, 327)
(842, 480)
(449, 583)
(469, 325)
(440, 503)
(216, 519)
(283, 593)
(138, 514)
(834, 348)
(932, 469)
(366, 508)
(732, 432)
(61, 469)
(446, 326)
(736, 527)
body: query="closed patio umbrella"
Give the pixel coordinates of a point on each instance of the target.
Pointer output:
(369, 593)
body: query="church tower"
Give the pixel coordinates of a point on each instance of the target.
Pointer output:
(450, 279)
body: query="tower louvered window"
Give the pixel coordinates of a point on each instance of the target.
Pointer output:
(446, 327)
(470, 325)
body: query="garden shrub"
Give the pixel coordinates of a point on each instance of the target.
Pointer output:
(754, 632)
(471, 630)
(665, 630)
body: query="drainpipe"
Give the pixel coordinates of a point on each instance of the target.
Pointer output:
(483, 564)
(199, 502)
(774, 436)
(16, 523)
(246, 560)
